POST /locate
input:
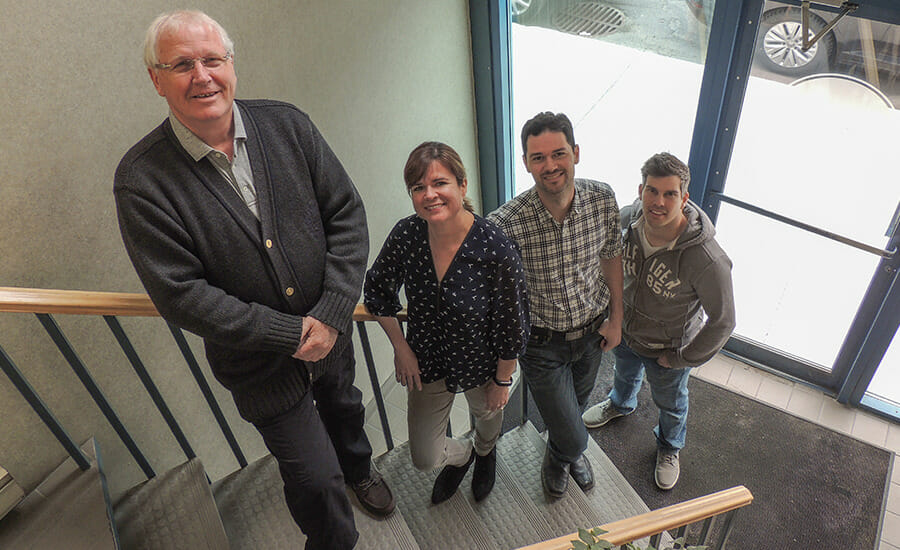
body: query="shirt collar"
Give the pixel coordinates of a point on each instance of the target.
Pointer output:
(541, 210)
(195, 146)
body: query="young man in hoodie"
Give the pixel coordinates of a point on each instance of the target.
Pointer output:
(679, 306)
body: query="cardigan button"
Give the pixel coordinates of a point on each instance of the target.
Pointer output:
(268, 243)
(289, 291)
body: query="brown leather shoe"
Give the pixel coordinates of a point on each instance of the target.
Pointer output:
(374, 494)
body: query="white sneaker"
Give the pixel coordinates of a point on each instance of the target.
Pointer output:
(600, 414)
(667, 469)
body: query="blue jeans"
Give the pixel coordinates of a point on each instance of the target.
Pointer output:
(669, 390)
(561, 376)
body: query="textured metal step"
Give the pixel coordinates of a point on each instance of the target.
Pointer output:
(611, 497)
(251, 504)
(523, 449)
(171, 511)
(69, 509)
(507, 518)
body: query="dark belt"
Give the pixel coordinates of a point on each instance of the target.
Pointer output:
(547, 335)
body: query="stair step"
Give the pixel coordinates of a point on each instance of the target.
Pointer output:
(523, 450)
(251, 504)
(170, 511)
(516, 513)
(69, 509)
(612, 496)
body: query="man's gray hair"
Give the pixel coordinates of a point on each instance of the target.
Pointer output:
(662, 165)
(174, 21)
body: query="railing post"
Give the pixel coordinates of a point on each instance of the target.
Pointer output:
(94, 390)
(31, 396)
(728, 519)
(149, 385)
(704, 531)
(376, 387)
(523, 387)
(194, 366)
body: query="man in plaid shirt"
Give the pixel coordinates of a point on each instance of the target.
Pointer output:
(571, 243)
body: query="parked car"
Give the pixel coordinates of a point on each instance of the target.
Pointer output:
(779, 44)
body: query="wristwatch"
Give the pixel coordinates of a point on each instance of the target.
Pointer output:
(502, 382)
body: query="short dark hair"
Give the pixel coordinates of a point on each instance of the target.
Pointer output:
(662, 165)
(544, 122)
(421, 158)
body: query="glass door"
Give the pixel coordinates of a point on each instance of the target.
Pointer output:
(810, 190)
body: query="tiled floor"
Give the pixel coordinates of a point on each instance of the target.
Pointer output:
(794, 398)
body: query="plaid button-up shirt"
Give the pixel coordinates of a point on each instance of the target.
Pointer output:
(566, 287)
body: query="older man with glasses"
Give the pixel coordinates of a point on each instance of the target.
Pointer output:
(246, 230)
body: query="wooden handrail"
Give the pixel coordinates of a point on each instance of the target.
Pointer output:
(657, 521)
(77, 302)
(80, 302)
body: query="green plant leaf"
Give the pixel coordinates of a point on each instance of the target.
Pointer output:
(586, 536)
(578, 545)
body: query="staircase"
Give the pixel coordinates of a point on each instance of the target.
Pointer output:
(180, 508)
(246, 509)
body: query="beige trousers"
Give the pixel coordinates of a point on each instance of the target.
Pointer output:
(428, 412)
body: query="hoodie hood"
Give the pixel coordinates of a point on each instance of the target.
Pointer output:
(699, 227)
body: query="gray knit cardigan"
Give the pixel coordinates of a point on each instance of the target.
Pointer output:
(244, 284)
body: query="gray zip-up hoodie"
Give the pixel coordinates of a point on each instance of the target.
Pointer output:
(667, 293)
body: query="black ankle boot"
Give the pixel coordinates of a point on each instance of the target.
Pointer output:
(484, 475)
(449, 479)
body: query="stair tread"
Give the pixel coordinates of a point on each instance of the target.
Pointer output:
(251, 504)
(172, 510)
(67, 510)
(460, 522)
(523, 448)
(517, 512)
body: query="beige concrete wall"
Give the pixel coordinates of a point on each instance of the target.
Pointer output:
(377, 77)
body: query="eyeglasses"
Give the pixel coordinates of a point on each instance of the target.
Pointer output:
(187, 65)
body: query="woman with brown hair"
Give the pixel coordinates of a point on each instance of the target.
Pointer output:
(467, 318)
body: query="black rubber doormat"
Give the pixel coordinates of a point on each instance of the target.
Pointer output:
(812, 487)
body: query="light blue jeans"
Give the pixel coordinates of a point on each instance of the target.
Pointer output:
(561, 376)
(669, 390)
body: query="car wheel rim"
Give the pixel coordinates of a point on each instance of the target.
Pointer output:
(518, 7)
(783, 44)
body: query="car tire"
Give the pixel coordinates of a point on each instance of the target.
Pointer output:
(779, 44)
(525, 11)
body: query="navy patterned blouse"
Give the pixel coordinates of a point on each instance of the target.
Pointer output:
(477, 314)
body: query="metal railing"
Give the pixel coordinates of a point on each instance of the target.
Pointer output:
(44, 303)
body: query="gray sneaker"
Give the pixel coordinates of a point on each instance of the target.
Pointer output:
(600, 414)
(667, 469)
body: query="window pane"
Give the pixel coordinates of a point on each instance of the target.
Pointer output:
(794, 291)
(630, 87)
(817, 146)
